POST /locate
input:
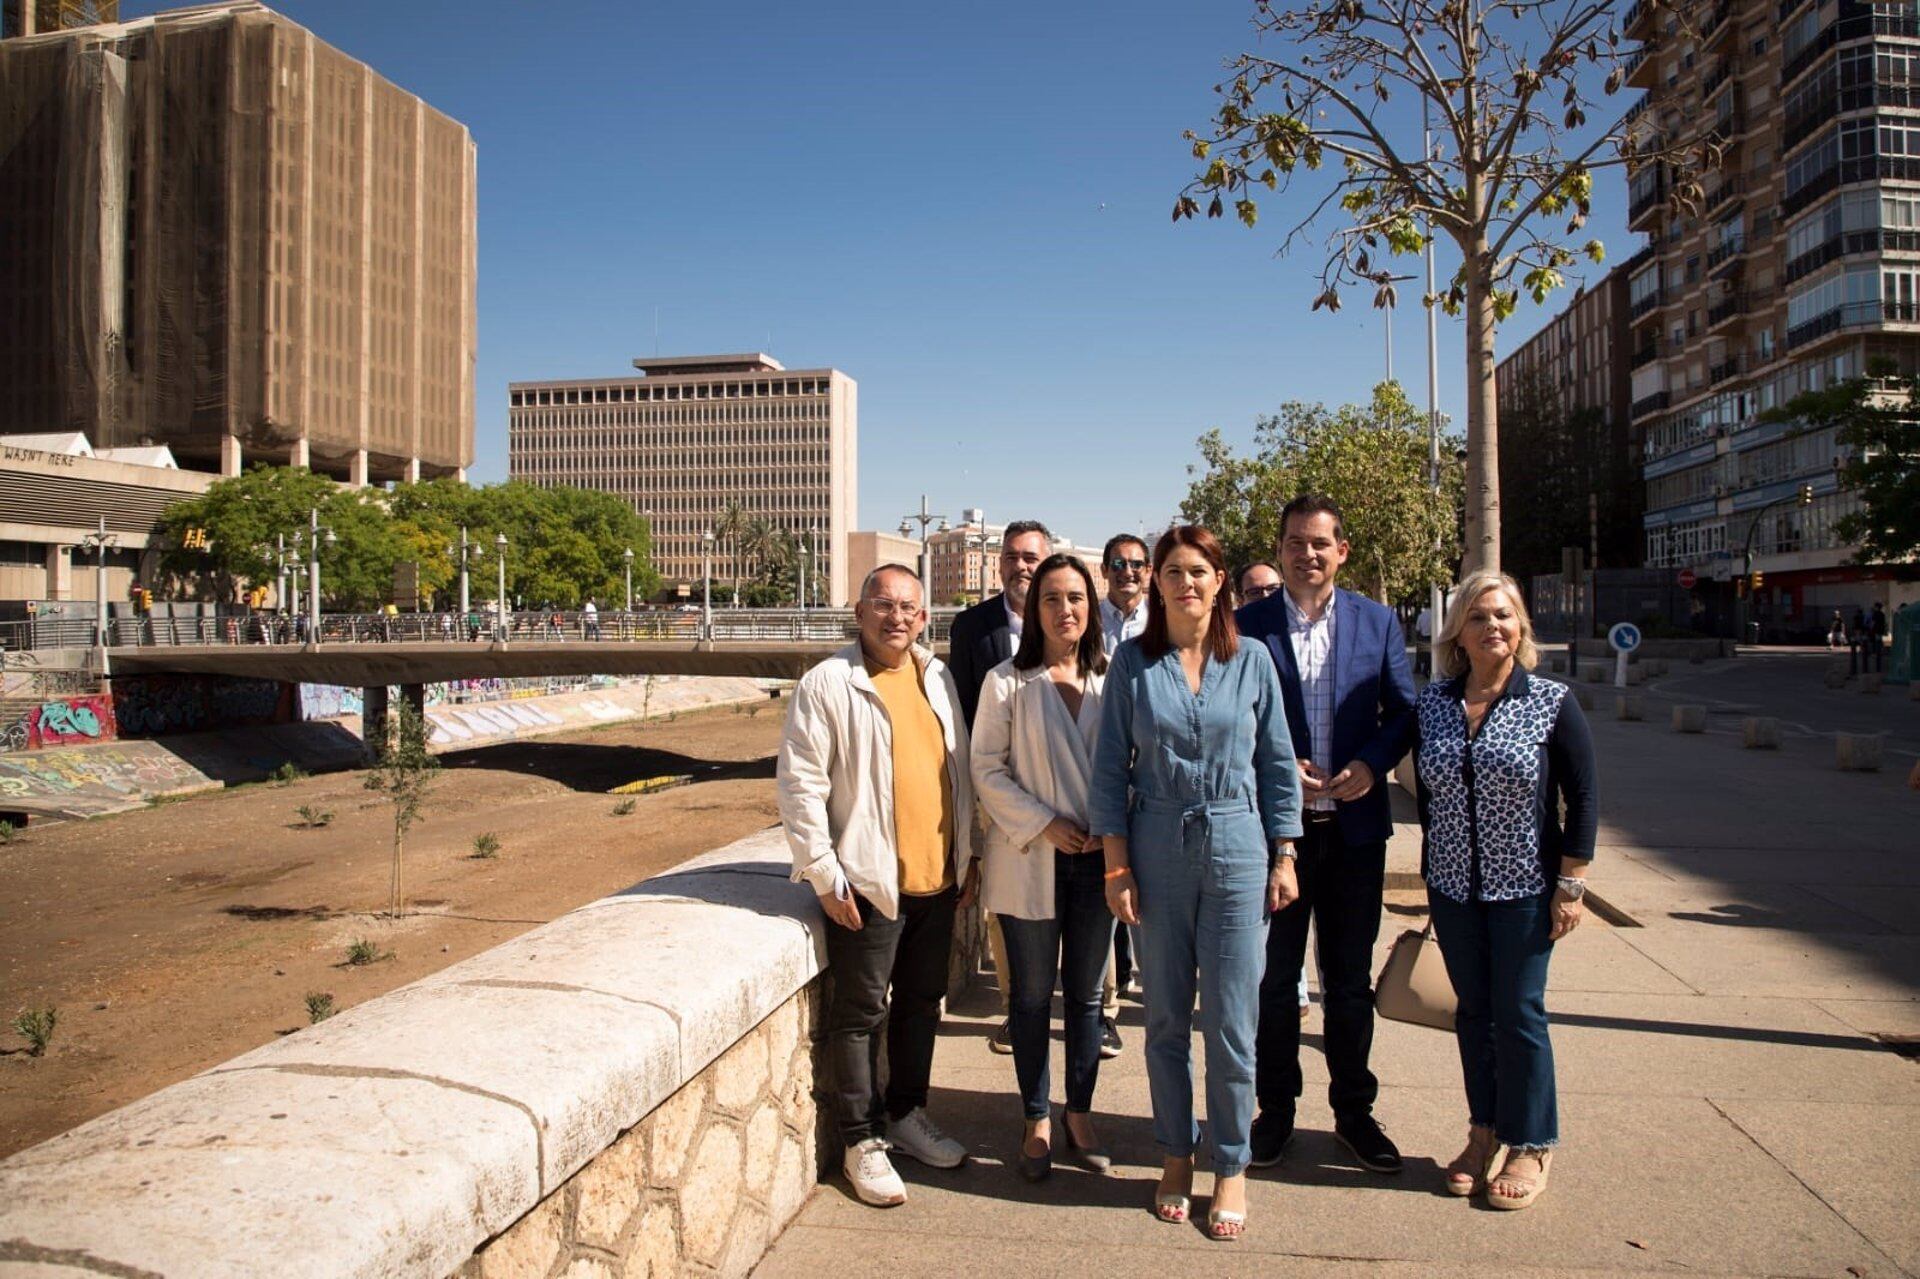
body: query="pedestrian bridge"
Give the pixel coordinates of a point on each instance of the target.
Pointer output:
(404, 663)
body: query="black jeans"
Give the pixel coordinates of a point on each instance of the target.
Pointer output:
(908, 954)
(1071, 949)
(1340, 886)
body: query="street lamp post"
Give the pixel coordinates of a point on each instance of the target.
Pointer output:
(500, 614)
(466, 549)
(280, 571)
(314, 532)
(100, 541)
(706, 586)
(626, 557)
(923, 518)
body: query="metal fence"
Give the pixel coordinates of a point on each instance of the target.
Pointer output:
(735, 625)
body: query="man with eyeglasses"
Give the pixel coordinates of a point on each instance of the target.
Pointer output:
(1123, 613)
(877, 803)
(1256, 581)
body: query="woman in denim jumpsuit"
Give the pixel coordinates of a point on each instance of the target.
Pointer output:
(1196, 793)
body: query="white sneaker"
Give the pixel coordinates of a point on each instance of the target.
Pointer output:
(917, 1138)
(872, 1174)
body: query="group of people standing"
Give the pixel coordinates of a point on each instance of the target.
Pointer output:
(1212, 779)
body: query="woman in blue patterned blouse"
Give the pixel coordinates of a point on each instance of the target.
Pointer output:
(1499, 751)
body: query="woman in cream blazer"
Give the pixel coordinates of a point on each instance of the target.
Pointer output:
(1032, 762)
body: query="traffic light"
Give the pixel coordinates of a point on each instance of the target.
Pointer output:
(1806, 495)
(1758, 580)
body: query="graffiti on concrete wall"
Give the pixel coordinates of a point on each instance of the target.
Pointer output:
(329, 701)
(154, 705)
(61, 721)
(130, 769)
(72, 721)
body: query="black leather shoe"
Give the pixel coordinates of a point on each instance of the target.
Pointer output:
(1001, 1040)
(1373, 1148)
(1272, 1131)
(1110, 1045)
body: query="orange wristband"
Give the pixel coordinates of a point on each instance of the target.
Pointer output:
(1115, 874)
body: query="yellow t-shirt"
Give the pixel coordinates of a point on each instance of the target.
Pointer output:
(922, 788)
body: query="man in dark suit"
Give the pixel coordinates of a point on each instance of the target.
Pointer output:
(1350, 697)
(981, 638)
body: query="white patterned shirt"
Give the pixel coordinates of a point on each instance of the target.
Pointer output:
(1313, 654)
(1116, 629)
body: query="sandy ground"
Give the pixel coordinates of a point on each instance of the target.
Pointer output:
(173, 938)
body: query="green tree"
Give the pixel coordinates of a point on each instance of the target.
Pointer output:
(239, 519)
(403, 771)
(1509, 86)
(1877, 421)
(1370, 459)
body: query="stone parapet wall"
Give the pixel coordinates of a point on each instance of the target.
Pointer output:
(626, 1090)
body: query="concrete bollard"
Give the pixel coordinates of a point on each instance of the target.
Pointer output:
(1859, 752)
(1629, 706)
(1871, 683)
(1583, 695)
(1760, 733)
(1636, 675)
(1689, 719)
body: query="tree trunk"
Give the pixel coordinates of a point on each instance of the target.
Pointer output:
(393, 892)
(1482, 548)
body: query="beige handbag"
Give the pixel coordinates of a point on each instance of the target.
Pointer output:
(1413, 985)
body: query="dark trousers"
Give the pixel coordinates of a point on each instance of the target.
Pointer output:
(908, 954)
(1340, 889)
(1496, 954)
(1071, 948)
(1122, 954)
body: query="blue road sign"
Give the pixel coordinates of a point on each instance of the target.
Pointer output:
(1624, 637)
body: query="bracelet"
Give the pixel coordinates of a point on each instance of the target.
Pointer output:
(1115, 874)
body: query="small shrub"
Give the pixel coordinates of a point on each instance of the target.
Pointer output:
(622, 808)
(7, 833)
(35, 1025)
(486, 847)
(287, 774)
(319, 1007)
(364, 952)
(313, 818)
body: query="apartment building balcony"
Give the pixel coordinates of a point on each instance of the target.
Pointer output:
(1850, 244)
(1728, 368)
(1731, 188)
(1715, 78)
(1716, 25)
(1853, 315)
(1727, 255)
(1645, 306)
(1855, 25)
(1639, 14)
(1790, 7)
(1641, 67)
(1649, 404)
(1647, 203)
(1644, 355)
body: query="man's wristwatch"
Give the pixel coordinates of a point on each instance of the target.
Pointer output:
(1573, 886)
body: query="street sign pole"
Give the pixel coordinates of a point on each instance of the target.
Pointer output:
(1623, 638)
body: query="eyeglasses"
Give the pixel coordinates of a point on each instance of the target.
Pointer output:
(1253, 593)
(893, 608)
(1121, 564)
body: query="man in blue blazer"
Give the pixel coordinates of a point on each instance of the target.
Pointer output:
(1350, 698)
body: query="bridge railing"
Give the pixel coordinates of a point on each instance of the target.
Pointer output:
(763, 625)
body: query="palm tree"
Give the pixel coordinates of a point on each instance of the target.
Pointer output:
(728, 529)
(760, 542)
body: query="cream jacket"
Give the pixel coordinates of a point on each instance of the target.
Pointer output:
(1031, 763)
(835, 778)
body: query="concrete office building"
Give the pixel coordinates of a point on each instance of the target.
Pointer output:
(1798, 267)
(54, 489)
(868, 549)
(227, 237)
(691, 435)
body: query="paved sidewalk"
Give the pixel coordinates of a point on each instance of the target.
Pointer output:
(1726, 1104)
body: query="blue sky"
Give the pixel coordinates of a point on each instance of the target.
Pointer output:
(964, 207)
